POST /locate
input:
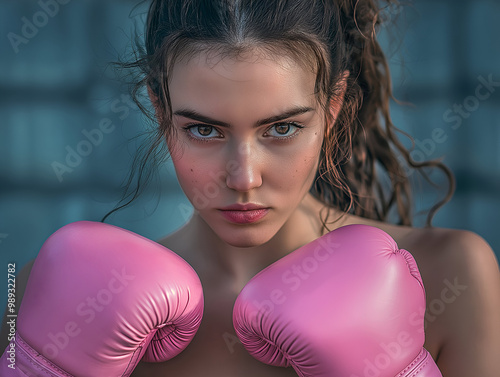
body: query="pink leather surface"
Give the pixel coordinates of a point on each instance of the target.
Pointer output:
(101, 298)
(351, 303)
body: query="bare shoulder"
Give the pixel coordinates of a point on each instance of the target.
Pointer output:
(453, 243)
(442, 250)
(462, 281)
(456, 254)
(472, 342)
(466, 253)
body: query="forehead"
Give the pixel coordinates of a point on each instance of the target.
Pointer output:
(251, 81)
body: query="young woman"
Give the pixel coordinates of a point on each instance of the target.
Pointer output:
(276, 117)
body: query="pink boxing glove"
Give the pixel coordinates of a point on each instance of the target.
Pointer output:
(99, 299)
(349, 304)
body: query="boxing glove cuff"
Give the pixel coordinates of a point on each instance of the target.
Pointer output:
(422, 366)
(28, 362)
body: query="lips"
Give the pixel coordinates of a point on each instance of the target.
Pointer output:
(244, 213)
(244, 207)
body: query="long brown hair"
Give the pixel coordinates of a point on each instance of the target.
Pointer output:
(335, 36)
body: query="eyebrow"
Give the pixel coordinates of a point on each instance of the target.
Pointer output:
(192, 114)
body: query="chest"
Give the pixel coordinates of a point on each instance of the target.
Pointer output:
(215, 350)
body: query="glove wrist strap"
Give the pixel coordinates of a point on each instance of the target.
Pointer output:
(28, 362)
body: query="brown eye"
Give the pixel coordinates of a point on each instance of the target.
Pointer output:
(205, 130)
(282, 129)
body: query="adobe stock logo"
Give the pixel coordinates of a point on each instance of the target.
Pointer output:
(83, 149)
(30, 28)
(89, 310)
(460, 111)
(455, 116)
(202, 198)
(92, 138)
(292, 278)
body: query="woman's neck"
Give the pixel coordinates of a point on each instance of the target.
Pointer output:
(215, 256)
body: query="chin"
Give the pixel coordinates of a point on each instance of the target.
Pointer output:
(245, 237)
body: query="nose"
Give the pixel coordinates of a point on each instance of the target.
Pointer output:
(243, 169)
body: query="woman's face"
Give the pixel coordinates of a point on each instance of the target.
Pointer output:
(249, 135)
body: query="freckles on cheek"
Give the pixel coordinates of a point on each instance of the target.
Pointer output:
(186, 170)
(295, 172)
(191, 174)
(298, 162)
(200, 174)
(306, 167)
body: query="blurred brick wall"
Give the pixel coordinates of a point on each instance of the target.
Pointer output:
(54, 89)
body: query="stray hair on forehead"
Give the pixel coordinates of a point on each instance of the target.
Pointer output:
(364, 168)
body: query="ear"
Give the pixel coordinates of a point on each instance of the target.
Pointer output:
(337, 101)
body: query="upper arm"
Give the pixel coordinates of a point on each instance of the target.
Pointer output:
(472, 323)
(21, 281)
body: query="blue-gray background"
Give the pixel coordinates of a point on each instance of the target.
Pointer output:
(54, 86)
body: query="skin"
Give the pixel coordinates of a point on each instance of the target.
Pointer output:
(232, 166)
(462, 327)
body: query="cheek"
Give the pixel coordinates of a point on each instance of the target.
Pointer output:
(300, 164)
(201, 178)
(186, 164)
(189, 172)
(202, 174)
